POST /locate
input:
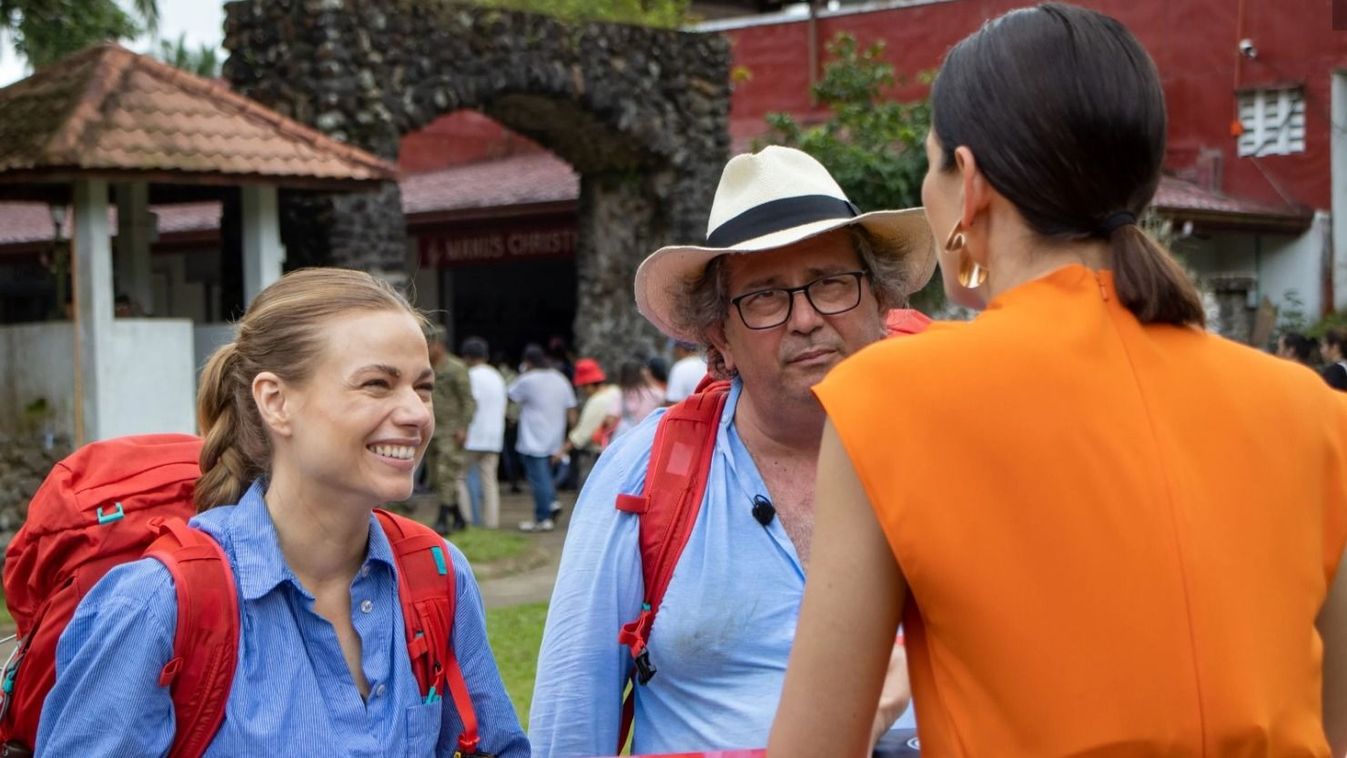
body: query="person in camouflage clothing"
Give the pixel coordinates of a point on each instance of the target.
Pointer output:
(453, 407)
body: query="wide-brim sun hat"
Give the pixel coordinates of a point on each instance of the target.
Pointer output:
(767, 200)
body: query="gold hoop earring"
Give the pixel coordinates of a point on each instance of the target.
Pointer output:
(971, 274)
(955, 241)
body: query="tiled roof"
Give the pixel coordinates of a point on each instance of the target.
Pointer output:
(1177, 195)
(533, 178)
(31, 222)
(522, 180)
(540, 178)
(107, 109)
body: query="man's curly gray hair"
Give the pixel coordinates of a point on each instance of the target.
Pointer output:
(704, 301)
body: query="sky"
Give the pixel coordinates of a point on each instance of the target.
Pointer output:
(201, 20)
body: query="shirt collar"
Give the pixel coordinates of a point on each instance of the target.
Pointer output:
(731, 404)
(257, 550)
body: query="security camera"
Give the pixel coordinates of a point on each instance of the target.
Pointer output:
(1247, 49)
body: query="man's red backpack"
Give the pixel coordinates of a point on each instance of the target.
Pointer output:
(122, 499)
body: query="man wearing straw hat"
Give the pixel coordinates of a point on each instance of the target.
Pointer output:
(791, 280)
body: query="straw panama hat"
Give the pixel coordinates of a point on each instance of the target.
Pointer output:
(768, 200)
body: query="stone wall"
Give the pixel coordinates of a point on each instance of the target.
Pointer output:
(25, 461)
(642, 115)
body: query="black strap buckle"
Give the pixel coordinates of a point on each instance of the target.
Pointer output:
(644, 668)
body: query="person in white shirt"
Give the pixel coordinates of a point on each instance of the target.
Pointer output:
(546, 407)
(687, 372)
(486, 436)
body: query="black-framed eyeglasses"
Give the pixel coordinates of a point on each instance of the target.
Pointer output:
(829, 295)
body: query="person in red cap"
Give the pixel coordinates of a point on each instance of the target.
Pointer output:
(598, 417)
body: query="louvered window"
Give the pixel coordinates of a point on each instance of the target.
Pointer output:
(1273, 121)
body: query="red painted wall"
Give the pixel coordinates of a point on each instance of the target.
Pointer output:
(1194, 44)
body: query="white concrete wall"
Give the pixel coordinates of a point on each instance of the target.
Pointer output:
(206, 339)
(148, 385)
(1281, 264)
(37, 361)
(150, 380)
(1338, 158)
(1297, 263)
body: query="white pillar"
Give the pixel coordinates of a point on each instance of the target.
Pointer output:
(263, 253)
(93, 302)
(135, 230)
(1338, 181)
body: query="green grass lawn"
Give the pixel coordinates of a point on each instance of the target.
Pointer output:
(488, 545)
(6, 621)
(515, 634)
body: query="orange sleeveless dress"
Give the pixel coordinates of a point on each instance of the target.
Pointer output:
(1116, 536)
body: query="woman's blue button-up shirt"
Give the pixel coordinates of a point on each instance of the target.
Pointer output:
(292, 692)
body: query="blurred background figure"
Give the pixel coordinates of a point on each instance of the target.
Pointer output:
(1335, 369)
(687, 372)
(546, 408)
(511, 468)
(598, 418)
(657, 372)
(640, 395)
(486, 435)
(454, 408)
(1297, 347)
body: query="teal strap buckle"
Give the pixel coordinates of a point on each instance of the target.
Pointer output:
(440, 565)
(8, 686)
(111, 516)
(433, 696)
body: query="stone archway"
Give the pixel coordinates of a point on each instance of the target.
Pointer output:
(641, 114)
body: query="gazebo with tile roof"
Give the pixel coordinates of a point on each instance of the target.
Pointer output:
(109, 118)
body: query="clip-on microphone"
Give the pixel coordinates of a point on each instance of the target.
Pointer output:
(763, 510)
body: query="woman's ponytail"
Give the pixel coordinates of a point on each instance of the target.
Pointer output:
(223, 411)
(1151, 283)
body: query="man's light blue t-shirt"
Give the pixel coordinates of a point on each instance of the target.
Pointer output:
(721, 639)
(292, 692)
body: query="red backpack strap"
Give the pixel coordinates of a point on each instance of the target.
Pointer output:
(206, 643)
(427, 591)
(675, 482)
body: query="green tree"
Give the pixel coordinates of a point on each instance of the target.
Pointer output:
(872, 144)
(44, 31)
(202, 61)
(661, 13)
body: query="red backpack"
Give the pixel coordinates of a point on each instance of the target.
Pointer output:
(675, 482)
(118, 500)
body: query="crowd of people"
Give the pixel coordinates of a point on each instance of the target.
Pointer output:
(1325, 355)
(551, 420)
(1078, 524)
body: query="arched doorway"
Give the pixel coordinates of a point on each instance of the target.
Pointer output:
(641, 114)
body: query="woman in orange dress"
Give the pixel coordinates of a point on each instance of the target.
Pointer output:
(1106, 532)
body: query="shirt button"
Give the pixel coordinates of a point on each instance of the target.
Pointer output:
(364, 570)
(379, 691)
(366, 606)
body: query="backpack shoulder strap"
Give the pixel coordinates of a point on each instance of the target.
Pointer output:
(427, 591)
(675, 482)
(206, 643)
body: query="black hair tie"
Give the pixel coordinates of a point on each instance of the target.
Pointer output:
(1116, 220)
